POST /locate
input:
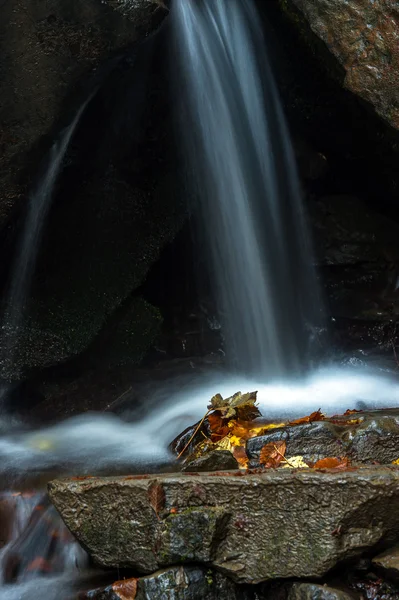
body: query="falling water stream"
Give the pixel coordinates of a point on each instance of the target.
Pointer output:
(28, 248)
(244, 176)
(243, 166)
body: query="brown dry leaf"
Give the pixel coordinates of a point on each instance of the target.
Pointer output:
(272, 454)
(125, 589)
(239, 405)
(332, 463)
(351, 412)
(218, 426)
(156, 496)
(241, 457)
(315, 416)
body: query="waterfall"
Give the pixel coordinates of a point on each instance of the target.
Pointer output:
(243, 168)
(25, 262)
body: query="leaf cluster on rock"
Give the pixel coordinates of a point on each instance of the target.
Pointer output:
(230, 422)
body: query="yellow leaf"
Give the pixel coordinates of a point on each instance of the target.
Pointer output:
(295, 462)
(396, 462)
(42, 444)
(234, 440)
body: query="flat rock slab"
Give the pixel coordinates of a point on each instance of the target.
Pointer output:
(253, 528)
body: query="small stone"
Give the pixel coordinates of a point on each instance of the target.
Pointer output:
(219, 460)
(179, 583)
(312, 591)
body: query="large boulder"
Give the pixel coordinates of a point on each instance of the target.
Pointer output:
(46, 47)
(115, 205)
(279, 524)
(363, 36)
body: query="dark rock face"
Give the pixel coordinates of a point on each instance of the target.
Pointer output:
(357, 252)
(45, 48)
(375, 437)
(115, 205)
(280, 524)
(363, 37)
(221, 460)
(388, 563)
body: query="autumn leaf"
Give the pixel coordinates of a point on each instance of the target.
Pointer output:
(331, 463)
(156, 496)
(295, 462)
(241, 457)
(239, 405)
(272, 454)
(125, 589)
(396, 462)
(218, 427)
(351, 412)
(315, 416)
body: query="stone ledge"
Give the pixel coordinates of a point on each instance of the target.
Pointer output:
(278, 524)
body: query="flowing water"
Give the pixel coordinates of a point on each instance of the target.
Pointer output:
(39, 557)
(242, 163)
(25, 262)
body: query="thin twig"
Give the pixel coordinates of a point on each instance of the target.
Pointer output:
(118, 398)
(282, 455)
(195, 433)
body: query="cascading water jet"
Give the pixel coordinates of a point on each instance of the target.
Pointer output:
(244, 175)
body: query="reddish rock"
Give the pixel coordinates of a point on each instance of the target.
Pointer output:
(364, 37)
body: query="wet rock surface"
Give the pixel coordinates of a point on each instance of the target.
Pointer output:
(46, 47)
(221, 460)
(367, 437)
(363, 36)
(358, 255)
(274, 525)
(177, 583)
(312, 591)
(388, 563)
(108, 221)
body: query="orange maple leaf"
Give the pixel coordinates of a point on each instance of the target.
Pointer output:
(315, 416)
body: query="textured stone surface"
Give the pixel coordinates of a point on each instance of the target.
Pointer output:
(115, 205)
(388, 563)
(46, 46)
(312, 591)
(179, 583)
(364, 37)
(255, 527)
(221, 460)
(375, 437)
